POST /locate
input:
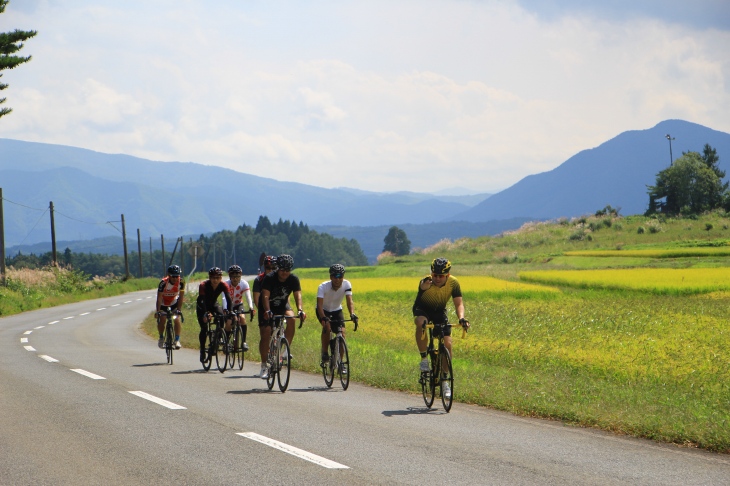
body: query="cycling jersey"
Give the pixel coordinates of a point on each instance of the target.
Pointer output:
(237, 292)
(432, 301)
(279, 291)
(170, 291)
(332, 299)
(208, 297)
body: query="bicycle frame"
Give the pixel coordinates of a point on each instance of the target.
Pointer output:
(440, 371)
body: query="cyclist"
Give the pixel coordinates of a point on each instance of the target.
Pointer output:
(329, 305)
(269, 265)
(170, 296)
(207, 304)
(276, 288)
(239, 288)
(434, 292)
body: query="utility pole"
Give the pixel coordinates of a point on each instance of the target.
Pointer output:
(2, 242)
(670, 138)
(164, 268)
(126, 258)
(53, 237)
(139, 252)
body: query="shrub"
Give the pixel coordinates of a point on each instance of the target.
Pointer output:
(708, 226)
(640, 230)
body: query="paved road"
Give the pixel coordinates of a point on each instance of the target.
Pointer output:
(72, 411)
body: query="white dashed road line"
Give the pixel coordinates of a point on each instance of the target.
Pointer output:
(53, 322)
(102, 308)
(295, 451)
(29, 348)
(39, 327)
(114, 305)
(69, 317)
(88, 374)
(85, 314)
(48, 358)
(23, 340)
(27, 332)
(159, 401)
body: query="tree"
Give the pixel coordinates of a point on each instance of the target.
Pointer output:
(690, 185)
(397, 242)
(10, 43)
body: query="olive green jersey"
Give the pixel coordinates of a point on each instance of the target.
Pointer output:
(434, 299)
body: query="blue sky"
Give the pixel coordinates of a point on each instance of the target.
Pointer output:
(420, 95)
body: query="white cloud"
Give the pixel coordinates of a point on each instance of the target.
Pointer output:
(376, 95)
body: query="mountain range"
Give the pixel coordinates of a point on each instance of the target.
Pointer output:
(91, 190)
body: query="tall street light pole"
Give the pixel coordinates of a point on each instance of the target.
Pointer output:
(671, 159)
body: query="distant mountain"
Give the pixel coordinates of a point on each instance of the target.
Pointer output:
(174, 198)
(616, 173)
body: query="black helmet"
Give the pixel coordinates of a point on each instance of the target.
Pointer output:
(337, 270)
(285, 262)
(440, 266)
(233, 269)
(174, 270)
(270, 261)
(215, 271)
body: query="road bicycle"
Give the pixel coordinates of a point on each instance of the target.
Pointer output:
(339, 361)
(235, 344)
(168, 338)
(216, 343)
(279, 359)
(440, 370)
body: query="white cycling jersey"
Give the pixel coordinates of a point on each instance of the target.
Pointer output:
(238, 292)
(332, 299)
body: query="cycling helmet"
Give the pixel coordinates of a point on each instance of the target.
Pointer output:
(285, 262)
(270, 261)
(174, 270)
(235, 269)
(215, 271)
(337, 270)
(440, 266)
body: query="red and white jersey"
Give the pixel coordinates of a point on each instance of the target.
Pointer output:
(170, 291)
(237, 293)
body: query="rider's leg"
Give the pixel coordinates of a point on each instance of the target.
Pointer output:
(290, 326)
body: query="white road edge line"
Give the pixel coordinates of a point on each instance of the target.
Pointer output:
(88, 374)
(48, 358)
(308, 456)
(29, 348)
(158, 401)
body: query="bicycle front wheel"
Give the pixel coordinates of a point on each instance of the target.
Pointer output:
(272, 363)
(221, 354)
(169, 342)
(208, 348)
(343, 368)
(238, 347)
(428, 387)
(446, 380)
(282, 375)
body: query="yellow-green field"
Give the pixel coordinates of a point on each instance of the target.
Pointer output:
(639, 363)
(656, 280)
(655, 253)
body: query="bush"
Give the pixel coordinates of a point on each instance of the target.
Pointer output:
(640, 230)
(708, 226)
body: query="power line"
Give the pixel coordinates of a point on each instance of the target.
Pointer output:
(23, 205)
(36, 224)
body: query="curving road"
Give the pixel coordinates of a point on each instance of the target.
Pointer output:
(86, 398)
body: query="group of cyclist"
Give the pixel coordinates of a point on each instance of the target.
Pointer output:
(272, 290)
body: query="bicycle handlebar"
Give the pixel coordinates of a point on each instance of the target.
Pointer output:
(431, 325)
(344, 320)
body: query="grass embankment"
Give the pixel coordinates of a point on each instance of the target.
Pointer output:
(35, 289)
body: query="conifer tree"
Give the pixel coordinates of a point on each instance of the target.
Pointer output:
(10, 43)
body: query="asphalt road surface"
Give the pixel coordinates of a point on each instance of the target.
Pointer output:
(87, 398)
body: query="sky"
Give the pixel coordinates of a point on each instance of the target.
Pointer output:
(459, 96)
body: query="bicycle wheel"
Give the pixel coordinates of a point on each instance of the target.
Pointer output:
(427, 384)
(238, 347)
(343, 368)
(328, 372)
(209, 350)
(447, 377)
(272, 360)
(169, 341)
(229, 348)
(284, 361)
(221, 356)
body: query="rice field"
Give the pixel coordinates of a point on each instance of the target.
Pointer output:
(656, 253)
(654, 280)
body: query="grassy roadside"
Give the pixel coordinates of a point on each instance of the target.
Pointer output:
(37, 289)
